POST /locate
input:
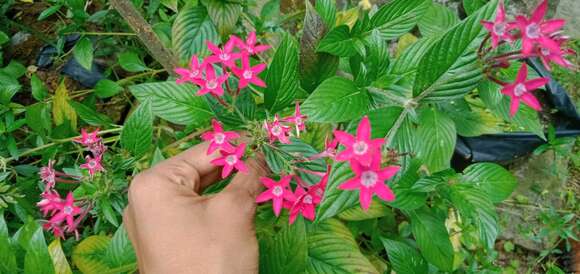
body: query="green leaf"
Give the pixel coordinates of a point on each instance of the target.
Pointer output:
(406, 197)
(9, 86)
(83, 53)
(333, 249)
(327, 11)
(314, 67)
(436, 138)
(61, 265)
(471, 6)
(130, 61)
(437, 20)
(377, 209)
(120, 253)
(39, 91)
(336, 100)
(282, 76)
(471, 122)
(432, 238)
(398, 17)
(106, 88)
(190, 31)
(495, 180)
(90, 115)
(38, 118)
(404, 257)
(7, 256)
(224, 14)
(48, 12)
(4, 38)
(449, 68)
(335, 200)
(340, 42)
(137, 134)
(175, 103)
(37, 259)
(274, 250)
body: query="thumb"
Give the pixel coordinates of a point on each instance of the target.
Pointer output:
(249, 182)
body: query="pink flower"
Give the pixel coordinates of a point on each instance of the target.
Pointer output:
(93, 165)
(48, 174)
(548, 55)
(211, 84)
(305, 204)
(360, 148)
(224, 56)
(88, 139)
(250, 45)
(370, 180)
(537, 30)
(57, 230)
(98, 148)
(219, 139)
(297, 119)
(50, 202)
(498, 29)
(191, 74)
(66, 212)
(521, 90)
(231, 160)
(278, 191)
(277, 131)
(249, 75)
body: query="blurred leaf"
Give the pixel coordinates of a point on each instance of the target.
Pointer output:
(377, 209)
(341, 42)
(130, 61)
(48, 12)
(327, 11)
(191, 29)
(437, 20)
(61, 109)
(106, 88)
(404, 257)
(432, 238)
(336, 100)
(90, 115)
(398, 17)
(436, 138)
(274, 250)
(83, 53)
(59, 260)
(7, 256)
(495, 180)
(282, 76)
(39, 91)
(37, 259)
(224, 15)
(38, 118)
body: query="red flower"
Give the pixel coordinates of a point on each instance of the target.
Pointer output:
(548, 55)
(211, 84)
(249, 75)
(277, 131)
(521, 90)
(370, 180)
(360, 148)
(231, 160)
(219, 139)
(537, 30)
(498, 29)
(189, 75)
(278, 191)
(225, 56)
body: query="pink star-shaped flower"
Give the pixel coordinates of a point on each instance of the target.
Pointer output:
(277, 131)
(57, 230)
(219, 139)
(521, 90)
(537, 30)
(211, 84)
(48, 174)
(66, 212)
(250, 45)
(498, 29)
(231, 160)
(297, 119)
(225, 56)
(93, 165)
(88, 139)
(189, 75)
(305, 204)
(51, 201)
(249, 75)
(360, 148)
(548, 55)
(370, 180)
(278, 191)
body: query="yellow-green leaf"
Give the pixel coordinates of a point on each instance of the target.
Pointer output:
(61, 265)
(86, 254)
(61, 108)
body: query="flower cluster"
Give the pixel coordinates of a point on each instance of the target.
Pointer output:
(278, 131)
(231, 156)
(226, 59)
(63, 212)
(539, 37)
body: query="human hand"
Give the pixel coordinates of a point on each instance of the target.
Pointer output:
(176, 230)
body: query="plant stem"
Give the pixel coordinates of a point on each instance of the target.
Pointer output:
(391, 134)
(186, 138)
(103, 33)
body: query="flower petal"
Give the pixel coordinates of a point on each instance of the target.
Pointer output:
(530, 100)
(514, 105)
(264, 196)
(241, 166)
(277, 205)
(552, 25)
(363, 131)
(522, 73)
(389, 172)
(269, 183)
(350, 184)
(384, 192)
(227, 169)
(344, 137)
(536, 83)
(539, 12)
(365, 198)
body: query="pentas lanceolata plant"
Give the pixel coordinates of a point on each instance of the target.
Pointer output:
(63, 215)
(541, 38)
(363, 153)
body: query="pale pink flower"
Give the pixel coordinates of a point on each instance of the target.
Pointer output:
(521, 90)
(219, 139)
(51, 201)
(249, 75)
(297, 119)
(537, 30)
(93, 165)
(277, 131)
(48, 174)
(232, 160)
(499, 28)
(278, 191)
(66, 213)
(97, 148)
(249, 45)
(225, 56)
(87, 139)
(370, 180)
(360, 148)
(189, 75)
(211, 84)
